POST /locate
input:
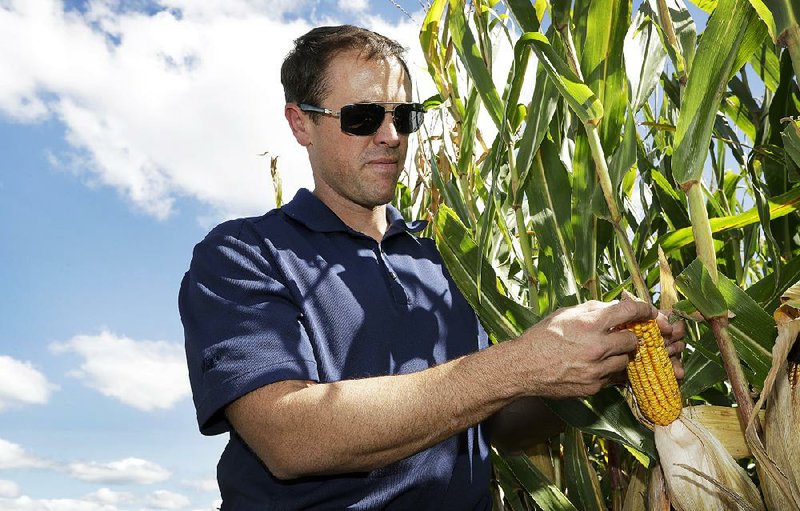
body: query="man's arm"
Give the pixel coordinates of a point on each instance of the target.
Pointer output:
(528, 421)
(302, 428)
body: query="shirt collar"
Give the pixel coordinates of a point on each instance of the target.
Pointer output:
(307, 209)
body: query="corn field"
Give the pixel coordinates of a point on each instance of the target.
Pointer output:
(629, 151)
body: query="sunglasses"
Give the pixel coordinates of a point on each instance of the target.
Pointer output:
(364, 119)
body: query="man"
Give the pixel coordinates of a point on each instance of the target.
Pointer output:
(332, 344)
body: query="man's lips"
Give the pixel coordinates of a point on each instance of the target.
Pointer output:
(383, 161)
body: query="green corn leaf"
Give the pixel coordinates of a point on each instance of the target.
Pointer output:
(702, 370)
(704, 367)
(682, 24)
(754, 37)
(468, 129)
(622, 161)
(542, 107)
(470, 55)
(429, 38)
(645, 57)
(581, 478)
(502, 317)
(766, 16)
(696, 284)
(713, 67)
(791, 141)
(546, 495)
(549, 195)
(777, 15)
(766, 64)
(707, 5)
(733, 107)
(778, 207)
(577, 94)
(673, 204)
(752, 330)
(606, 414)
(584, 222)
(524, 11)
(602, 63)
(767, 293)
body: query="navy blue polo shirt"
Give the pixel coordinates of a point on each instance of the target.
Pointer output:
(298, 295)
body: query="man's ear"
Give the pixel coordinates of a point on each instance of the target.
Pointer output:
(299, 122)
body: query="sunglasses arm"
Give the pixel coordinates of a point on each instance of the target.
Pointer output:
(311, 108)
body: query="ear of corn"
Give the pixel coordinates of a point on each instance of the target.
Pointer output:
(651, 375)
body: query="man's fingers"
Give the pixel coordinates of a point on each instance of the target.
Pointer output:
(620, 342)
(664, 325)
(614, 364)
(627, 311)
(678, 330)
(674, 349)
(677, 366)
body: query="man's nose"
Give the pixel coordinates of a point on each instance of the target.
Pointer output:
(387, 132)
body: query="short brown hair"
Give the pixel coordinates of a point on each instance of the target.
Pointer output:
(304, 70)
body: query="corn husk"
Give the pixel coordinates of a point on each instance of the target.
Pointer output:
(698, 471)
(782, 422)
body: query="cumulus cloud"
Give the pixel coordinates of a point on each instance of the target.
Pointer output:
(21, 383)
(109, 496)
(352, 5)
(26, 503)
(205, 485)
(8, 489)
(177, 103)
(14, 456)
(146, 375)
(163, 499)
(128, 470)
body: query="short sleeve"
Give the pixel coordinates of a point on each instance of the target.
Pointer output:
(242, 327)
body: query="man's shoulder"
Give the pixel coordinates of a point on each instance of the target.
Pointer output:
(252, 228)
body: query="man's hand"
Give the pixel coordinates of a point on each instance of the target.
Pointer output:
(576, 352)
(673, 335)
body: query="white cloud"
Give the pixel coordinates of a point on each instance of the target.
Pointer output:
(128, 470)
(213, 506)
(8, 489)
(14, 456)
(206, 485)
(352, 5)
(26, 503)
(147, 375)
(163, 499)
(21, 383)
(165, 105)
(109, 496)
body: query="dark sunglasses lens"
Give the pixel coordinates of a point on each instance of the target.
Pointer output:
(408, 117)
(362, 118)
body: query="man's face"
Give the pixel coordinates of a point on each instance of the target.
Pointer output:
(359, 170)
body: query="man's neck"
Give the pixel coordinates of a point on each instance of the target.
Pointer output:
(369, 221)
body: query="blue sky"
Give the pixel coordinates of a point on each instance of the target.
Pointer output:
(127, 130)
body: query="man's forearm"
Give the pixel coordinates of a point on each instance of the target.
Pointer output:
(360, 425)
(300, 428)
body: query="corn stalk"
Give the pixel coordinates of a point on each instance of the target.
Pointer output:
(611, 134)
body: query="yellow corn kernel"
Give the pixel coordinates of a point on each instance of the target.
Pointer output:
(652, 377)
